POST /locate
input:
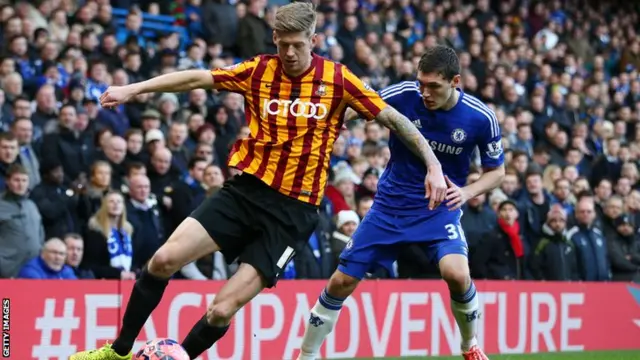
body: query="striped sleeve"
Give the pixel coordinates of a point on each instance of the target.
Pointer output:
(489, 136)
(236, 77)
(360, 97)
(395, 95)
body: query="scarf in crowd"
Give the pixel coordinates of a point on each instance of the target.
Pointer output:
(120, 250)
(513, 232)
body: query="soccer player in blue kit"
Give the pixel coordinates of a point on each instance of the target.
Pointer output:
(455, 124)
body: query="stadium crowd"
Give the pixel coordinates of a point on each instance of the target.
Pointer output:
(92, 193)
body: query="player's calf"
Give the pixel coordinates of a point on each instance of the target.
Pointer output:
(243, 286)
(189, 242)
(454, 269)
(341, 285)
(325, 312)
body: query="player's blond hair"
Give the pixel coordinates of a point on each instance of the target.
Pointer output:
(296, 17)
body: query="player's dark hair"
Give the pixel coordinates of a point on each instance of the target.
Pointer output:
(440, 59)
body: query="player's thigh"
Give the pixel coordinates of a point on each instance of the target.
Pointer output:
(284, 231)
(226, 217)
(451, 256)
(189, 242)
(374, 245)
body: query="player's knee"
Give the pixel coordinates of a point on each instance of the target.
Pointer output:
(454, 269)
(164, 263)
(457, 277)
(341, 285)
(221, 311)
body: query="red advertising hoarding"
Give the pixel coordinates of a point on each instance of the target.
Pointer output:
(53, 319)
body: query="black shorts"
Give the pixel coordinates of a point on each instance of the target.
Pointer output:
(253, 222)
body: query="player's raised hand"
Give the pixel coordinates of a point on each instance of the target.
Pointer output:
(435, 186)
(456, 196)
(116, 95)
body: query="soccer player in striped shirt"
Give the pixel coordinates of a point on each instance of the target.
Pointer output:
(455, 124)
(294, 106)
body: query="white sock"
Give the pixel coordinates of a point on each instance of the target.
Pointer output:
(321, 321)
(465, 311)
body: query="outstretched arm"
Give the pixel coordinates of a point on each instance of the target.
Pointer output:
(232, 78)
(176, 82)
(409, 134)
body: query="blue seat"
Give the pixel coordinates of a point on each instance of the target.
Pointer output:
(122, 13)
(152, 25)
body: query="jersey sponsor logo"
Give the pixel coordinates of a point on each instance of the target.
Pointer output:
(458, 136)
(444, 148)
(297, 108)
(494, 149)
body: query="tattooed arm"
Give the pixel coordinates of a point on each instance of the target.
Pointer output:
(409, 134)
(435, 184)
(402, 126)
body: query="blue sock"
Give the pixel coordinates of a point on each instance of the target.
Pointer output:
(330, 302)
(467, 296)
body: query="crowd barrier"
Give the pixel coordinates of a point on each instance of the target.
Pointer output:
(53, 319)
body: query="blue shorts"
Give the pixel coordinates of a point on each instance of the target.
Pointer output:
(379, 238)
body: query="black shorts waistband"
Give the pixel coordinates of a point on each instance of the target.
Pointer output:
(253, 183)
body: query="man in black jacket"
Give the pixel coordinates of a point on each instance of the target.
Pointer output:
(144, 214)
(554, 258)
(57, 203)
(624, 250)
(590, 244)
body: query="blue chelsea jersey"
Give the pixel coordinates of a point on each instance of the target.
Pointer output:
(453, 135)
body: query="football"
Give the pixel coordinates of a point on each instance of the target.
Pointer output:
(161, 349)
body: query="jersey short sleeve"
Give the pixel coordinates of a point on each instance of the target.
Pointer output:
(396, 95)
(236, 77)
(360, 97)
(490, 141)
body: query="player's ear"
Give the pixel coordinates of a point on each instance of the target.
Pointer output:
(314, 40)
(275, 37)
(455, 82)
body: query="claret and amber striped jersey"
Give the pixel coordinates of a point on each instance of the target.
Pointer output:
(294, 121)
